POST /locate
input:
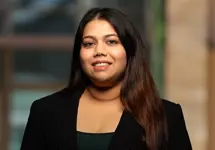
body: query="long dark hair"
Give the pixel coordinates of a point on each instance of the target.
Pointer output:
(138, 92)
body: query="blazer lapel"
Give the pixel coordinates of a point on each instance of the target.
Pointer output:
(128, 134)
(68, 122)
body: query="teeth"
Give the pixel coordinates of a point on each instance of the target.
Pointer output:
(101, 64)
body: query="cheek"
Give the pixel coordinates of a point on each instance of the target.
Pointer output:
(84, 56)
(120, 56)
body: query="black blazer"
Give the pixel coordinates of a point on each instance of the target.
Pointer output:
(52, 126)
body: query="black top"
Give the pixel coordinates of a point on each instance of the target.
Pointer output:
(52, 126)
(93, 141)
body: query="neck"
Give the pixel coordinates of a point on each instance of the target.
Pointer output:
(105, 94)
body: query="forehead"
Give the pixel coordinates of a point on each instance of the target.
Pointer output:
(98, 28)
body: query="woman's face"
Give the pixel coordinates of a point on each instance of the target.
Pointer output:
(102, 56)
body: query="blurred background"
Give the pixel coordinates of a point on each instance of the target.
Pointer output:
(36, 39)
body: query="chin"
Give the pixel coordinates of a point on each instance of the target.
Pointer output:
(102, 82)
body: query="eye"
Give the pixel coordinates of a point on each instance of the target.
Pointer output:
(112, 42)
(87, 44)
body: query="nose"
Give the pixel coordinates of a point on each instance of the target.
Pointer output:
(100, 49)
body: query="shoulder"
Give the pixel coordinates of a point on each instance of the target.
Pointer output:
(173, 113)
(171, 107)
(177, 132)
(169, 104)
(53, 98)
(53, 101)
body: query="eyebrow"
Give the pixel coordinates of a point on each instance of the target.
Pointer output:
(93, 37)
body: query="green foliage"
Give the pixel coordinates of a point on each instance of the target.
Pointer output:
(157, 11)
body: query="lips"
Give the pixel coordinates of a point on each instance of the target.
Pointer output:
(101, 63)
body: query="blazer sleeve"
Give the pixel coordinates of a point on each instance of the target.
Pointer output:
(178, 135)
(33, 138)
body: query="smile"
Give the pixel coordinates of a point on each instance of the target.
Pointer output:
(101, 64)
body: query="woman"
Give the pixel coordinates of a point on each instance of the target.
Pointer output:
(111, 102)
